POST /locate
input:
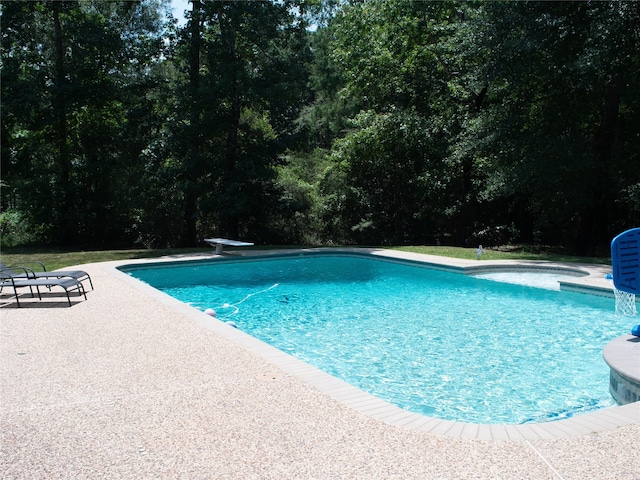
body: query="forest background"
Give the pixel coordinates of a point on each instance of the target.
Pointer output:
(320, 122)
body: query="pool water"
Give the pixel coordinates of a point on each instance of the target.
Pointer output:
(433, 342)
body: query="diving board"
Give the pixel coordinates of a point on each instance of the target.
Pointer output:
(625, 260)
(220, 243)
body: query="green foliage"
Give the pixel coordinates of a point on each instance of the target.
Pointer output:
(321, 121)
(15, 229)
(66, 147)
(300, 208)
(244, 88)
(558, 119)
(530, 102)
(390, 159)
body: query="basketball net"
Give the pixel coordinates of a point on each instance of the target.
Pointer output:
(625, 303)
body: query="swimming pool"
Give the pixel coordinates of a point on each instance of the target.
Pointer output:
(433, 342)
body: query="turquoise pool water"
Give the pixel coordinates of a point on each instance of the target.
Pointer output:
(432, 342)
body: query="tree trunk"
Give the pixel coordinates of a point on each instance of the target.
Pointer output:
(189, 235)
(64, 202)
(230, 217)
(592, 227)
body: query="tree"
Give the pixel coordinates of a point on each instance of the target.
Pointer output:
(398, 185)
(246, 85)
(558, 126)
(531, 103)
(67, 152)
(371, 121)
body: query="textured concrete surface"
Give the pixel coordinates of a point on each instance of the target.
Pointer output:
(126, 386)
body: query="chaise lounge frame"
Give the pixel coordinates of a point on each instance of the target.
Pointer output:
(66, 283)
(28, 273)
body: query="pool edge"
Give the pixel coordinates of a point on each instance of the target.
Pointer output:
(622, 354)
(367, 404)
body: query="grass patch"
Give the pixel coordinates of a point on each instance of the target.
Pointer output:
(54, 259)
(504, 253)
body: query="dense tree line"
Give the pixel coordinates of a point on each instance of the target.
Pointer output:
(310, 121)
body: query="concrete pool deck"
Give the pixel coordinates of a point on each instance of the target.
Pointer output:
(133, 384)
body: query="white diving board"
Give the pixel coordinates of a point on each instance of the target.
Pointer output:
(220, 243)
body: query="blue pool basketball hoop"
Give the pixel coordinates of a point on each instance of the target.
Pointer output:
(625, 260)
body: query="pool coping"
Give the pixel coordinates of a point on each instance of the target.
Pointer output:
(592, 282)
